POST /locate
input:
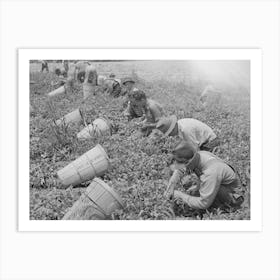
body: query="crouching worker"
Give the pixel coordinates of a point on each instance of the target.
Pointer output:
(112, 86)
(81, 70)
(65, 64)
(90, 82)
(141, 106)
(44, 66)
(199, 133)
(128, 86)
(219, 183)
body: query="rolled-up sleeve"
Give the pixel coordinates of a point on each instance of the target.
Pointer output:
(209, 187)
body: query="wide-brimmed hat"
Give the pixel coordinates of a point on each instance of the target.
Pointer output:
(167, 124)
(184, 150)
(128, 79)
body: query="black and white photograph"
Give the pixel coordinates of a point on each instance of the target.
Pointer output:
(139, 139)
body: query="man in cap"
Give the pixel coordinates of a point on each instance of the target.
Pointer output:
(209, 95)
(112, 86)
(218, 181)
(200, 134)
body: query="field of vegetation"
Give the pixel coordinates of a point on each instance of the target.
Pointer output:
(139, 169)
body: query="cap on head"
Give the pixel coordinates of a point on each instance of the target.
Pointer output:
(184, 151)
(128, 79)
(167, 124)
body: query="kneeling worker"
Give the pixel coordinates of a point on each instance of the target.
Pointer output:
(141, 106)
(81, 70)
(112, 86)
(188, 129)
(219, 182)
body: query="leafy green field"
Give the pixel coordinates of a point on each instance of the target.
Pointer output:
(139, 171)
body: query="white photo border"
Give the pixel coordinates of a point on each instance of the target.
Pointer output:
(255, 57)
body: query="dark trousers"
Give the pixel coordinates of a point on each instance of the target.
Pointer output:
(211, 145)
(81, 76)
(45, 66)
(230, 195)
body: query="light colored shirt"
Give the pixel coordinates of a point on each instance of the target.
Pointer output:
(210, 94)
(109, 84)
(196, 131)
(71, 71)
(81, 66)
(91, 75)
(214, 174)
(101, 80)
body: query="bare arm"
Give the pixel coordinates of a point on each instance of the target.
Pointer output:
(174, 180)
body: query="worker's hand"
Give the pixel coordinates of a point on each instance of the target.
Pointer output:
(142, 119)
(142, 122)
(126, 114)
(169, 193)
(192, 190)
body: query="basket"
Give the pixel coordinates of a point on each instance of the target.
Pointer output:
(72, 117)
(98, 202)
(84, 209)
(93, 163)
(105, 198)
(100, 127)
(57, 91)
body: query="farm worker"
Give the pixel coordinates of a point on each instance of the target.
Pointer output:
(209, 93)
(91, 75)
(70, 77)
(81, 70)
(218, 181)
(129, 85)
(195, 131)
(90, 82)
(71, 71)
(141, 106)
(112, 86)
(57, 71)
(65, 64)
(63, 73)
(44, 65)
(101, 79)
